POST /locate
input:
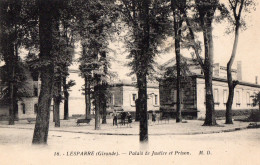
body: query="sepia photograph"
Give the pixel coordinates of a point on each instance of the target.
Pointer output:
(133, 82)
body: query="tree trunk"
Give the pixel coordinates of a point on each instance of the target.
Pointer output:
(137, 109)
(231, 85)
(210, 119)
(87, 96)
(66, 99)
(104, 113)
(103, 99)
(97, 103)
(53, 112)
(210, 112)
(137, 102)
(177, 37)
(57, 100)
(97, 107)
(41, 129)
(11, 106)
(56, 112)
(142, 97)
(11, 63)
(11, 96)
(143, 71)
(104, 103)
(15, 98)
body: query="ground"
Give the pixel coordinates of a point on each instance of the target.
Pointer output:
(66, 147)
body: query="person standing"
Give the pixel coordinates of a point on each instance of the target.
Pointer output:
(114, 118)
(123, 116)
(129, 118)
(153, 117)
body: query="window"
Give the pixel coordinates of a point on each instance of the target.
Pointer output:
(35, 91)
(155, 99)
(248, 99)
(112, 99)
(133, 97)
(35, 108)
(225, 96)
(216, 97)
(23, 108)
(237, 99)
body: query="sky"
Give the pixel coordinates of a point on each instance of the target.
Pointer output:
(247, 51)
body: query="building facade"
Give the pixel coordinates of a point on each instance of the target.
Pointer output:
(28, 92)
(193, 91)
(123, 96)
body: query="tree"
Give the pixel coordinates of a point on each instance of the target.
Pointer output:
(9, 49)
(67, 40)
(64, 45)
(86, 69)
(206, 10)
(17, 21)
(23, 90)
(204, 16)
(104, 94)
(147, 24)
(47, 12)
(57, 53)
(94, 28)
(178, 7)
(237, 8)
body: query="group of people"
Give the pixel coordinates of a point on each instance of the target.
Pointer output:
(123, 116)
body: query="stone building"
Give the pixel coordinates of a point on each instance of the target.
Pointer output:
(193, 91)
(124, 94)
(28, 93)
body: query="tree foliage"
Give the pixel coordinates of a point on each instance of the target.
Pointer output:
(147, 25)
(94, 30)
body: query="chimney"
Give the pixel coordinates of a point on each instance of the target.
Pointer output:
(256, 78)
(239, 70)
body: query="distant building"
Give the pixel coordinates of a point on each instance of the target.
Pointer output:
(124, 94)
(193, 91)
(28, 93)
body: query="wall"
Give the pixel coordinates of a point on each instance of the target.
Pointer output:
(123, 98)
(168, 93)
(115, 100)
(77, 106)
(4, 110)
(29, 107)
(242, 97)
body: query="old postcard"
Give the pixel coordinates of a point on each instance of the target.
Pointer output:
(129, 82)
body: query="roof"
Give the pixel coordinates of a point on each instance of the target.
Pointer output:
(125, 82)
(225, 80)
(172, 61)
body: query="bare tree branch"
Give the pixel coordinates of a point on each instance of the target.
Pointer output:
(194, 46)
